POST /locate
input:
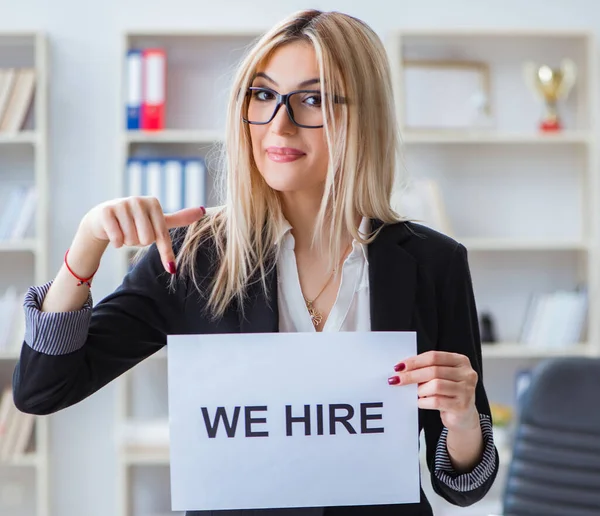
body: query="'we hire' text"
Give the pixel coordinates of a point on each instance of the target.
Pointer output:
(312, 420)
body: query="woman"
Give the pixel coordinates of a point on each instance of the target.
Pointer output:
(307, 241)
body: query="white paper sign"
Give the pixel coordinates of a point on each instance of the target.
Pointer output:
(310, 420)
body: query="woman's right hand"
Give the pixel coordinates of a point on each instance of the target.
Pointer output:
(138, 221)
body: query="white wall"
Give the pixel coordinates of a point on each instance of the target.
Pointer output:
(84, 115)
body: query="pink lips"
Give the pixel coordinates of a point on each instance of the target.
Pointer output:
(284, 154)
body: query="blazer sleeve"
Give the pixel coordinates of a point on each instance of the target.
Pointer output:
(458, 332)
(66, 357)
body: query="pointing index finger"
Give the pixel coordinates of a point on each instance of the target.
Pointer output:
(184, 217)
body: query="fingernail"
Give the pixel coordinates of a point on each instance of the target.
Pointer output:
(172, 268)
(399, 367)
(393, 380)
(203, 210)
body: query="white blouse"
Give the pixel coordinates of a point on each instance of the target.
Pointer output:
(351, 310)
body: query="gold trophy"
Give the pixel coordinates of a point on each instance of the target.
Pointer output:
(550, 85)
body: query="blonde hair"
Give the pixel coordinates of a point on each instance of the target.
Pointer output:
(363, 143)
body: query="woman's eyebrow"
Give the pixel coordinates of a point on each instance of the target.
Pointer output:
(301, 85)
(265, 76)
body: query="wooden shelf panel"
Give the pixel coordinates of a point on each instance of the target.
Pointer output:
(151, 457)
(9, 356)
(28, 460)
(494, 32)
(511, 244)
(522, 350)
(22, 137)
(173, 136)
(29, 244)
(492, 137)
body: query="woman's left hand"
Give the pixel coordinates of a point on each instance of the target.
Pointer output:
(446, 382)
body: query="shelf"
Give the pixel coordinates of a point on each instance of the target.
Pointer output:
(487, 32)
(9, 356)
(28, 460)
(511, 244)
(150, 457)
(29, 245)
(521, 350)
(22, 137)
(492, 137)
(173, 136)
(227, 32)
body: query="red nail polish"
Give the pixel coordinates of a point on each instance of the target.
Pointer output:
(172, 268)
(203, 210)
(393, 380)
(399, 367)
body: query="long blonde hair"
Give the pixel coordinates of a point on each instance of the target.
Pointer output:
(362, 139)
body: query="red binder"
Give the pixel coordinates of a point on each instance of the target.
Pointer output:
(154, 74)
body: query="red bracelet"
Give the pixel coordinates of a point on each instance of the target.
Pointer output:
(82, 281)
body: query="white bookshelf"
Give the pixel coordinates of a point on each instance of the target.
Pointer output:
(501, 181)
(524, 203)
(199, 73)
(24, 480)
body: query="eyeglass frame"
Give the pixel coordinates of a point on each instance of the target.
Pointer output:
(283, 99)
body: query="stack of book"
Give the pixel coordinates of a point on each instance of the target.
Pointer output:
(17, 211)
(555, 319)
(176, 182)
(16, 429)
(17, 86)
(12, 321)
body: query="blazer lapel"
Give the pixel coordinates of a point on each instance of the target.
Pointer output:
(392, 283)
(261, 313)
(392, 280)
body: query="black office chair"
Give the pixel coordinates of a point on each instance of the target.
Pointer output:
(555, 469)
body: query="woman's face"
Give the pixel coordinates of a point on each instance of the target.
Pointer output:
(290, 158)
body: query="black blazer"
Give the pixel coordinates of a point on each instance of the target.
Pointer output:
(419, 280)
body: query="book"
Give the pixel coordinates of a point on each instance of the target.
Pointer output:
(134, 89)
(195, 183)
(7, 82)
(154, 74)
(176, 182)
(423, 202)
(19, 102)
(555, 319)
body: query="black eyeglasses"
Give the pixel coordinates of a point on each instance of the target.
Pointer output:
(304, 107)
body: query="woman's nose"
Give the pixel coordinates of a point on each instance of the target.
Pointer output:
(282, 123)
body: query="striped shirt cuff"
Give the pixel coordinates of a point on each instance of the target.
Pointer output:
(480, 474)
(54, 333)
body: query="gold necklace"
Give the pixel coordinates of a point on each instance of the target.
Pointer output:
(316, 316)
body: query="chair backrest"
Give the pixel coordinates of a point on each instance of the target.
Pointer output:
(555, 470)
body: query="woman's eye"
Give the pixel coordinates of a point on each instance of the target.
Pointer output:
(263, 95)
(313, 100)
